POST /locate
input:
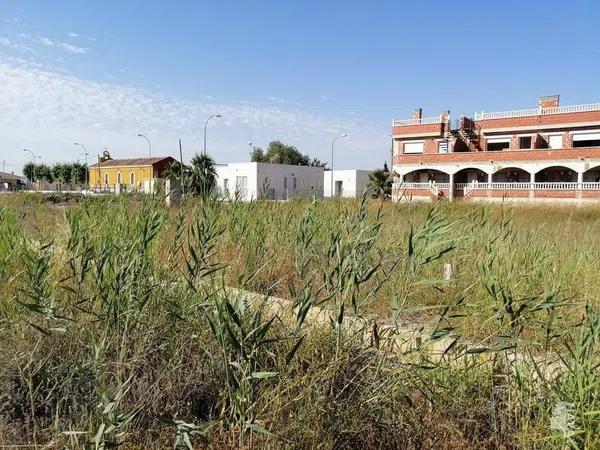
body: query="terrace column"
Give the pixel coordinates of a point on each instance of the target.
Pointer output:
(451, 189)
(489, 184)
(579, 184)
(532, 185)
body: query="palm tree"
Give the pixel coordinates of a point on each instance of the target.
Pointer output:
(202, 176)
(380, 183)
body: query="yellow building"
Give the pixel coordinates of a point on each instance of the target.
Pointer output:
(130, 173)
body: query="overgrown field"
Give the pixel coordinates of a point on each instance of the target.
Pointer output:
(126, 323)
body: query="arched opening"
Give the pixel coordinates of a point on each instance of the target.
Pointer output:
(106, 179)
(470, 175)
(132, 179)
(556, 174)
(511, 175)
(119, 178)
(426, 175)
(592, 175)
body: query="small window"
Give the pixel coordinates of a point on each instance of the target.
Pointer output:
(498, 144)
(443, 147)
(119, 178)
(525, 142)
(413, 147)
(555, 141)
(285, 182)
(132, 178)
(294, 185)
(226, 184)
(106, 179)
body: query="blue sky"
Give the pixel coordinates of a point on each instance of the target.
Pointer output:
(299, 71)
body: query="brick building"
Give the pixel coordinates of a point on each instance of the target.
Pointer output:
(549, 152)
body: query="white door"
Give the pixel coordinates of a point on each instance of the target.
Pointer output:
(241, 186)
(338, 188)
(555, 141)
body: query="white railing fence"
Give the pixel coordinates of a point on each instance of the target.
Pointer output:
(537, 111)
(551, 186)
(422, 121)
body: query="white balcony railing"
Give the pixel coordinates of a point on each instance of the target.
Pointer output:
(423, 121)
(537, 112)
(429, 186)
(551, 186)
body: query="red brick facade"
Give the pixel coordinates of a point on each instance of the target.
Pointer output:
(500, 156)
(543, 145)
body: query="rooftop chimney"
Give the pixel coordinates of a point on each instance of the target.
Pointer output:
(417, 113)
(549, 101)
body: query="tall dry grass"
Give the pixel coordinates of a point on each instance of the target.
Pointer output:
(120, 325)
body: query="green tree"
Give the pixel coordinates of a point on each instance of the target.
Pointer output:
(202, 176)
(280, 153)
(61, 172)
(257, 155)
(76, 173)
(28, 170)
(43, 173)
(380, 182)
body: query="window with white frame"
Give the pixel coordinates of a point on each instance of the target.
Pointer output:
(413, 147)
(555, 140)
(497, 144)
(586, 139)
(443, 146)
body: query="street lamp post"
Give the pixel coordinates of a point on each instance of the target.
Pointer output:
(34, 157)
(332, 144)
(205, 124)
(149, 144)
(86, 161)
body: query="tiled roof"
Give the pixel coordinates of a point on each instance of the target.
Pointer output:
(9, 176)
(133, 162)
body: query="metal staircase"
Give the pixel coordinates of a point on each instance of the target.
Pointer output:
(468, 132)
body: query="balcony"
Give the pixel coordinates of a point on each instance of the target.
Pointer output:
(422, 121)
(536, 191)
(537, 112)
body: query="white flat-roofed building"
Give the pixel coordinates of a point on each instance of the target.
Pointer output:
(346, 183)
(253, 181)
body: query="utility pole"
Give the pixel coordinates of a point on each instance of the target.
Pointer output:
(332, 144)
(205, 124)
(149, 144)
(181, 164)
(34, 157)
(86, 163)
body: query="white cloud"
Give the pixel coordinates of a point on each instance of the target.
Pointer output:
(48, 111)
(73, 35)
(5, 42)
(64, 46)
(72, 48)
